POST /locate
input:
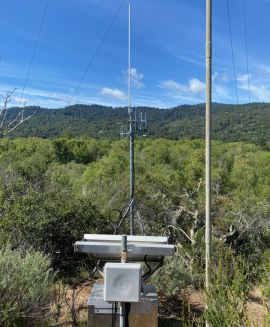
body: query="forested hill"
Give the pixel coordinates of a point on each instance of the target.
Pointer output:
(229, 122)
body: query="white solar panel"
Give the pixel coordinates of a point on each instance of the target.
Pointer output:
(108, 247)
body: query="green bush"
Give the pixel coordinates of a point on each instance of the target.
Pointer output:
(51, 221)
(266, 275)
(226, 296)
(25, 286)
(173, 276)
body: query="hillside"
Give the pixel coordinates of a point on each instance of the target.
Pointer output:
(229, 122)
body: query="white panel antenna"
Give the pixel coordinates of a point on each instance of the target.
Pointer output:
(142, 120)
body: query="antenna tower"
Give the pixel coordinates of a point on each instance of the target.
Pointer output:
(130, 134)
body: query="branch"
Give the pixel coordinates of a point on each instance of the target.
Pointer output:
(181, 231)
(8, 130)
(7, 100)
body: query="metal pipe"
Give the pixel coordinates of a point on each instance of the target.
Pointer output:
(129, 59)
(131, 138)
(123, 260)
(208, 138)
(124, 243)
(131, 177)
(122, 322)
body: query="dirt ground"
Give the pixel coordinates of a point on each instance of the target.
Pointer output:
(170, 308)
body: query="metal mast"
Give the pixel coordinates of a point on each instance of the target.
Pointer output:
(132, 203)
(208, 136)
(131, 136)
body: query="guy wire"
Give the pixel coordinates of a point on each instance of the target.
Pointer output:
(34, 52)
(233, 61)
(246, 45)
(95, 53)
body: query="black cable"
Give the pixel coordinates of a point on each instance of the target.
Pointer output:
(120, 215)
(246, 45)
(150, 269)
(114, 313)
(127, 307)
(233, 61)
(96, 53)
(34, 52)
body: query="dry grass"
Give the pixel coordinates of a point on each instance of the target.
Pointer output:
(170, 308)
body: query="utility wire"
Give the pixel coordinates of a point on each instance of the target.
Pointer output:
(233, 60)
(96, 53)
(246, 45)
(34, 51)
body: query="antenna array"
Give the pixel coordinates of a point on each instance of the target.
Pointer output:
(142, 123)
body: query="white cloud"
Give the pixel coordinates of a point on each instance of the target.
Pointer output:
(214, 76)
(19, 99)
(135, 78)
(61, 97)
(220, 92)
(195, 86)
(193, 61)
(178, 53)
(260, 92)
(243, 78)
(224, 78)
(114, 93)
(174, 86)
(184, 93)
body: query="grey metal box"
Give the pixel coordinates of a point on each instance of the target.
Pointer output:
(122, 282)
(142, 314)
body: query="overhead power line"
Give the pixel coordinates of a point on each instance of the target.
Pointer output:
(246, 45)
(232, 50)
(96, 53)
(233, 61)
(34, 51)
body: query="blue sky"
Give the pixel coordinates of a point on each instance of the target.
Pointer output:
(167, 52)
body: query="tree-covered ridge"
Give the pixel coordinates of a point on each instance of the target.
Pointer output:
(229, 122)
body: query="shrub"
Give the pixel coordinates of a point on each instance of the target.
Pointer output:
(51, 221)
(25, 286)
(173, 276)
(227, 293)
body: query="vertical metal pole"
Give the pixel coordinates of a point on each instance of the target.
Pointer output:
(129, 58)
(208, 137)
(122, 322)
(131, 140)
(124, 243)
(131, 176)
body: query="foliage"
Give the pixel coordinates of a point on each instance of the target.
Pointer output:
(58, 190)
(173, 276)
(26, 280)
(54, 191)
(51, 221)
(226, 295)
(266, 276)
